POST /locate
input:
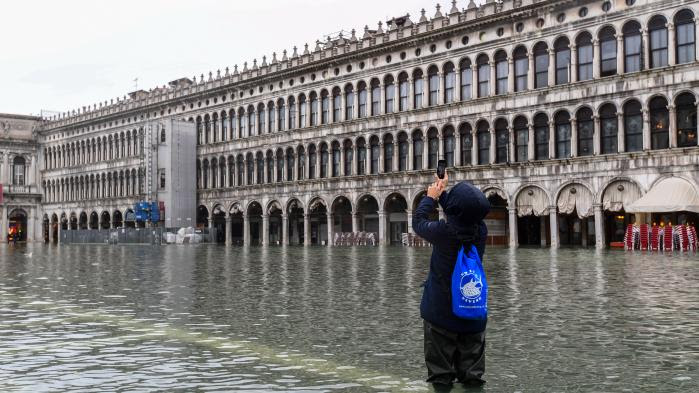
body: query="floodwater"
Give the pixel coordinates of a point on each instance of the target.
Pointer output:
(309, 319)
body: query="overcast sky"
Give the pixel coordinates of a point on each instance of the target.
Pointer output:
(62, 55)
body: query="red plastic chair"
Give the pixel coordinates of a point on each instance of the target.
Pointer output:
(684, 237)
(628, 238)
(644, 236)
(667, 238)
(693, 240)
(655, 238)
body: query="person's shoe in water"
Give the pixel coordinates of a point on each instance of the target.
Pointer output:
(473, 385)
(441, 387)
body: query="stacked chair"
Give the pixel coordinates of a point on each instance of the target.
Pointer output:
(667, 238)
(655, 238)
(644, 236)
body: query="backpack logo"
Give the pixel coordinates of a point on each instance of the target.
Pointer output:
(471, 286)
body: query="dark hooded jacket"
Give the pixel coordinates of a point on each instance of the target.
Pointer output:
(465, 207)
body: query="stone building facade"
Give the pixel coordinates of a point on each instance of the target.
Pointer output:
(562, 112)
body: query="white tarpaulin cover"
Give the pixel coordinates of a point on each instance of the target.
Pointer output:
(575, 197)
(669, 195)
(532, 200)
(619, 195)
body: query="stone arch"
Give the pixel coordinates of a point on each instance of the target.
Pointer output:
(600, 193)
(490, 190)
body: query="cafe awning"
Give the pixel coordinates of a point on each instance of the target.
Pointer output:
(669, 195)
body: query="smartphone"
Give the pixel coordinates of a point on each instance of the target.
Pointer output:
(441, 168)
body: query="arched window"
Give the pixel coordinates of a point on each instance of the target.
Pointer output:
(541, 137)
(433, 81)
(448, 145)
(251, 169)
(292, 113)
(336, 159)
(403, 91)
(200, 135)
(449, 82)
(633, 126)
(418, 89)
(314, 109)
(562, 48)
(609, 124)
(633, 47)
(541, 65)
(432, 148)
(562, 120)
(501, 72)
(483, 133)
(685, 36)
(242, 122)
(402, 151)
(241, 170)
(162, 135)
(260, 163)
(207, 129)
(337, 105)
(251, 120)
(361, 156)
(374, 142)
(659, 123)
(233, 123)
(18, 171)
(501, 141)
(390, 88)
(290, 164)
(324, 107)
(270, 167)
(466, 143)
(261, 117)
(280, 165)
(388, 153)
(483, 76)
(361, 91)
(585, 56)
(686, 120)
(418, 148)
(586, 131)
(658, 41)
(324, 160)
(301, 162)
(224, 126)
(466, 79)
(302, 111)
(312, 160)
(214, 123)
(349, 102)
(281, 115)
(349, 156)
(521, 129)
(271, 115)
(607, 42)
(375, 97)
(521, 68)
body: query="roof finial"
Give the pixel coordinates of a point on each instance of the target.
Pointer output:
(353, 38)
(274, 57)
(264, 61)
(245, 66)
(454, 8)
(210, 75)
(227, 71)
(305, 49)
(295, 54)
(201, 80)
(438, 14)
(235, 69)
(471, 5)
(218, 74)
(380, 29)
(254, 64)
(366, 32)
(423, 18)
(284, 57)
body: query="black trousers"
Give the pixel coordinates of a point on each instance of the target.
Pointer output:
(450, 356)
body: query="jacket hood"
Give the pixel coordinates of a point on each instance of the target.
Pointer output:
(465, 205)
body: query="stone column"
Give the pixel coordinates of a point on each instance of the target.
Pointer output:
(246, 230)
(511, 144)
(382, 228)
(493, 79)
(30, 224)
(531, 154)
(355, 222)
(621, 140)
(510, 75)
(493, 141)
(343, 170)
(583, 231)
(3, 158)
(3, 225)
(673, 125)
(355, 159)
(573, 63)
(620, 54)
(512, 213)
(285, 229)
(425, 151)
(645, 48)
(599, 227)
(440, 149)
(646, 130)
(457, 85)
(440, 88)
(331, 229)
(457, 148)
(229, 230)
(552, 67)
(306, 229)
(409, 165)
(343, 105)
(355, 107)
(553, 216)
(474, 81)
(409, 213)
(573, 137)
(552, 139)
(596, 61)
(474, 148)
(382, 156)
(411, 99)
(265, 229)
(531, 73)
(671, 44)
(425, 91)
(32, 171)
(596, 135)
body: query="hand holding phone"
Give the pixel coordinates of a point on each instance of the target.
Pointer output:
(441, 168)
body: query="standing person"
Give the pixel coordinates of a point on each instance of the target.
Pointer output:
(454, 347)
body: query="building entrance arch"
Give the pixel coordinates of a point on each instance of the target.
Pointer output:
(17, 226)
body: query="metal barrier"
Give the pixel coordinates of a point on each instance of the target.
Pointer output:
(112, 236)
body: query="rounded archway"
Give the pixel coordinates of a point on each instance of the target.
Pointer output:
(202, 216)
(46, 229)
(616, 197)
(219, 223)
(274, 213)
(533, 225)
(368, 214)
(54, 228)
(295, 214)
(318, 221)
(17, 227)
(575, 223)
(342, 215)
(255, 223)
(497, 218)
(94, 220)
(73, 222)
(106, 220)
(395, 208)
(237, 228)
(130, 219)
(82, 221)
(118, 219)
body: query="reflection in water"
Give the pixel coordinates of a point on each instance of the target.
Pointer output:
(321, 319)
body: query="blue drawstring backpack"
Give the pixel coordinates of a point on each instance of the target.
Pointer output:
(469, 289)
